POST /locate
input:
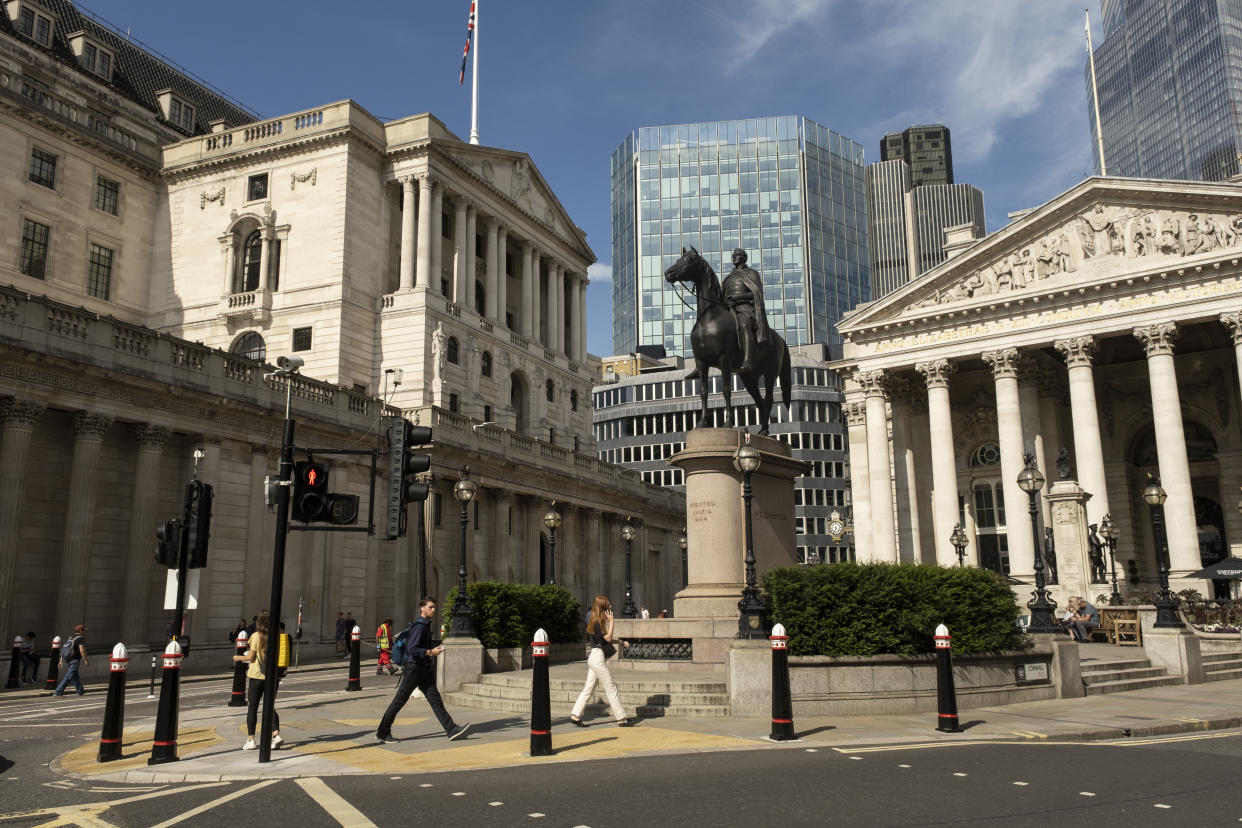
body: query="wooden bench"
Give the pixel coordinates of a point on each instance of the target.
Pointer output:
(1120, 626)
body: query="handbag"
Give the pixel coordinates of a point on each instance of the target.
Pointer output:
(609, 650)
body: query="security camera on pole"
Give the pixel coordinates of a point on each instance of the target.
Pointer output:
(114, 707)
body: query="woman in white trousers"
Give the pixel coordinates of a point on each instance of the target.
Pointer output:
(599, 628)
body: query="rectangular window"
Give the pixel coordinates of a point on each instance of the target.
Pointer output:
(43, 168)
(302, 339)
(99, 272)
(181, 114)
(106, 193)
(96, 60)
(453, 403)
(34, 248)
(256, 187)
(43, 30)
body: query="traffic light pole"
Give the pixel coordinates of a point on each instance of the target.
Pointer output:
(278, 585)
(183, 575)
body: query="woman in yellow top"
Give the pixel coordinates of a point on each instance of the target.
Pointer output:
(255, 655)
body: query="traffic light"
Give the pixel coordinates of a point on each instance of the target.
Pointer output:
(198, 497)
(403, 488)
(310, 491)
(168, 548)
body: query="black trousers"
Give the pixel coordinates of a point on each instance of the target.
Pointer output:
(253, 697)
(424, 678)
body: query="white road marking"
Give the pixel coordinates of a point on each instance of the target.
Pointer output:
(207, 806)
(535, 815)
(812, 750)
(1193, 737)
(1022, 784)
(1158, 805)
(859, 758)
(459, 793)
(903, 766)
(959, 774)
(494, 804)
(425, 785)
(332, 802)
(1085, 793)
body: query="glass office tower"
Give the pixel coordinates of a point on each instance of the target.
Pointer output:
(788, 190)
(1170, 79)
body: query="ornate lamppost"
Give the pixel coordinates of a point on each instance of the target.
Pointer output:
(1108, 531)
(552, 520)
(682, 543)
(1166, 605)
(958, 538)
(627, 532)
(462, 625)
(750, 624)
(1041, 606)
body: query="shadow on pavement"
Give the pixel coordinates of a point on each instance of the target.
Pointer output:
(802, 734)
(567, 748)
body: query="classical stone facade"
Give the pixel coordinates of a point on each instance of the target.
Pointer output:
(1106, 321)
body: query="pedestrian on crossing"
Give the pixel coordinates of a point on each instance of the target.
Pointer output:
(419, 672)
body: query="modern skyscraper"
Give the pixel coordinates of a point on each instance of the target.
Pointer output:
(906, 222)
(788, 190)
(926, 149)
(1169, 75)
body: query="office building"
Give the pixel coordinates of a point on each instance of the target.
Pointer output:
(927, 149)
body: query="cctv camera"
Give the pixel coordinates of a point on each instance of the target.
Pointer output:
(290, 364)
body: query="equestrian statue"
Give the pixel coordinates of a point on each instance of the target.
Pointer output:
(731, 333)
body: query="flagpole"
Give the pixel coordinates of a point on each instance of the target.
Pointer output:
(474, 70)
(1095, 95)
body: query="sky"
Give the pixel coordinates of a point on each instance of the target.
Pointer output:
(565, 81)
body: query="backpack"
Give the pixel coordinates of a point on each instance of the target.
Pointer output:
(68, 649)
(398, 645)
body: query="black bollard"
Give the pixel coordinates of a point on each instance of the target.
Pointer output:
(151, 690)
(782, 701)
(164, 749)
(14, 665)
(114, 707)
(53, 666)
(946, 695)
(238, 699)
(355, 660)
(540, 699)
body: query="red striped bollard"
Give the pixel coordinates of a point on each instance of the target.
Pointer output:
(540, 699)
(782, 700)
(114, 707)
(53, 666)
(164, 749)
(238, 699)
(355, 660)
(14, 663)
(946, 695)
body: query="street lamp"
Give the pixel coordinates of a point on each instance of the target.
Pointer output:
(462, 625)
(682, 543)
(1108, 531)
(958, 538)
(552, 520)
(627, 532)
(1041, 606)
(750, 624)
(1166, 606)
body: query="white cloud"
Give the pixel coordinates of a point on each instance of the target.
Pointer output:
(599, 273)
(753, 23)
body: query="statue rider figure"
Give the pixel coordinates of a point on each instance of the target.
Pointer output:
(743, 294)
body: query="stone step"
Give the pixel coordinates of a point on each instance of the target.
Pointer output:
(1102, 676)
(1223, 675)
(1115, 664)
(594, 711)
(1213, 658)
(628, 696)
(652, 685)
(1132, 684)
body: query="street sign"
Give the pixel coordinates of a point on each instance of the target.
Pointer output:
(191, 589)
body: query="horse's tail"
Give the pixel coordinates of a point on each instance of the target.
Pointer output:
(786, 379)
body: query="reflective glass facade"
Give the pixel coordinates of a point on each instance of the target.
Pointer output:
(1170, 80)
(789, 191)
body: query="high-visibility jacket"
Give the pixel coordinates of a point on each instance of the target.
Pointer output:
(282, 659)
(381, 637)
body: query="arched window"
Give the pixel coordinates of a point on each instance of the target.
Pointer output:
(452, 350)
(252, 256)
(485, 364)
(250, 345)
(551, 389)
(987, 454)
(573, 400)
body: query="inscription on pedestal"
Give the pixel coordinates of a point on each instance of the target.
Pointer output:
(701, 510)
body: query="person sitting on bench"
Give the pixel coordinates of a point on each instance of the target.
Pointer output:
(1086, 619)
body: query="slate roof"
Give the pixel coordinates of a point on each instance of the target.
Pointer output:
(137, 73)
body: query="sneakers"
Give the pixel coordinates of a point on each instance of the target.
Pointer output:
(250, 745)
(388, 740)
(277, 741)
(459, 732)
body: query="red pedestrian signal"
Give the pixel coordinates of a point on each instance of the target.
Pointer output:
(310, 491)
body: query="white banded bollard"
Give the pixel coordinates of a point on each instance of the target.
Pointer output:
(164, 748)
(782, 701)
(238, 698)
(540, 698)
(946, 694)
(114, 707)
(355, 660)
(53, 666)
(13, 683)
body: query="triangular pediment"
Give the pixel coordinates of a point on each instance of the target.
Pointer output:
(1101, 229)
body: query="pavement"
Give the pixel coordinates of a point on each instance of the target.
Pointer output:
(328, 731)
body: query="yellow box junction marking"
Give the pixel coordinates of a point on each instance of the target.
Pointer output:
(135, 750)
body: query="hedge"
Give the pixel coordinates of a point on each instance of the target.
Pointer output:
(867, 609)
(507, 615)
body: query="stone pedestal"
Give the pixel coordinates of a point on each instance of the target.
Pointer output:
(1068, 507)
(460, 663)
(1066, 664)
(748, 666)
(1177, 651)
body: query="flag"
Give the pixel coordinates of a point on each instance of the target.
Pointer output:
(465, 53)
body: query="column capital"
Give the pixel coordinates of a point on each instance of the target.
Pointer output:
(904, 390)
(1233, 321)
(937, 372)
(17, 413)
(1079, 351)
(500, 495)
(87, 425)
(1157, 339)
(855, 414)
(408, 183)
(1004, 363)
(151, 436)
(427, 180)
(874, 383)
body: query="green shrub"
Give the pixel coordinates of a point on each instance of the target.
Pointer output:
(867, 609)
(507, 615)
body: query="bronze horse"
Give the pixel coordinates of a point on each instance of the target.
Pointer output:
(713, 340)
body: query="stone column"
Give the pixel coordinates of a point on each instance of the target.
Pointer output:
(229, 243)
(569, 549)
(922, 482)
(472, 264)
(595, 556)
(499, 556)
(536, 297)
(437, 238)
(489, 264)
(75, 559)
(860, 480)
(425, 227)
(408, 225)
(582, 315)
(1180, 525)
(883, 535)
(265, 255)
(904, 473)
(1233, 322)
(19, 418)
(502, 275)
(554, 302)
(1009, 427)
(557, 312)
(1079, 353)
(136, 601)
(459, 249)
(527, 312)
(944, 463)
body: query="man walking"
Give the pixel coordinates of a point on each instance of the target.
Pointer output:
(73, 662)
(419, 672)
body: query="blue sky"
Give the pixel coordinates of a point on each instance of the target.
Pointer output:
(566, 81)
